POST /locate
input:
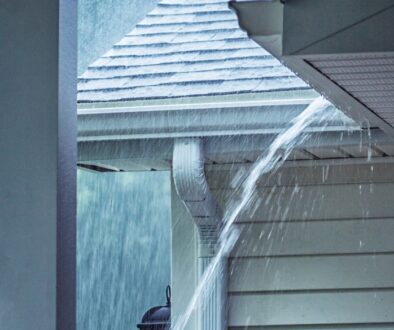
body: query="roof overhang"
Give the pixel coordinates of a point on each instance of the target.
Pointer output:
(141, 137)
(343, 48)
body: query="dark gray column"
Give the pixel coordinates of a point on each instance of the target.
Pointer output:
(37, 167)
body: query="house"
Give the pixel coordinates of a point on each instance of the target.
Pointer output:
(316, 249)
(188, 91)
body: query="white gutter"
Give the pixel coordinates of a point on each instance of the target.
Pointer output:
(197, 120)
(193, 106)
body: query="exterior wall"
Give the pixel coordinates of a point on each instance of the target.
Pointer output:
(317, 252)
(37, 168)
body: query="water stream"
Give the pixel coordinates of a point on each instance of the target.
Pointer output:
(270, 160)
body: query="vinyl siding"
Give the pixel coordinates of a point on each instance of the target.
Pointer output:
(317, 252)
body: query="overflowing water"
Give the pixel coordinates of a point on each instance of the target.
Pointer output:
(271, 159)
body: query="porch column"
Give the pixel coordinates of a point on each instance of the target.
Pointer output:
(37, 167)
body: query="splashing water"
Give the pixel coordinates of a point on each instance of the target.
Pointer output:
(272, 158)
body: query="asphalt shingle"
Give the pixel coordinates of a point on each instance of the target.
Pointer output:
(184, 48)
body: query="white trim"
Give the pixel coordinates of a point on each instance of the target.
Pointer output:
(198, 106)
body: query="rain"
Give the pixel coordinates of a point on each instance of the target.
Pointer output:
(286, 204)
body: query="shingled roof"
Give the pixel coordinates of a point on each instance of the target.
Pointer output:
(184, 48)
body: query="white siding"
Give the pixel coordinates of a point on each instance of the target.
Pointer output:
(250, 275)
(317, 252)
(362, 307)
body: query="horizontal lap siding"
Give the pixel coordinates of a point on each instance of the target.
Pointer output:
(340, 201)
(316, 256)
(312, 308)
(315, 237)
(324, 273)
(290, 175)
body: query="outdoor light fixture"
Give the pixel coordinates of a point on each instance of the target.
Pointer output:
(158, 318)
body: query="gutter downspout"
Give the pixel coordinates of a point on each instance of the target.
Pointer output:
(192, 188)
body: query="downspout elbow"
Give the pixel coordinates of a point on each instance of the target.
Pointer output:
(192, 188)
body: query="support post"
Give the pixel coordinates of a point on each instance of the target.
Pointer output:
(38, 164)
